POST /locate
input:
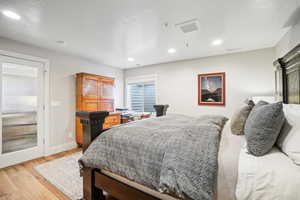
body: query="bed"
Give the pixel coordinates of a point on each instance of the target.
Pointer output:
(147, 154)
(234, 178)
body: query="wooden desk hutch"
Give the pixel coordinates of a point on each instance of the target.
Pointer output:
(95, 93)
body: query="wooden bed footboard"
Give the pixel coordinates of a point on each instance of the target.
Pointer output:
(95, 182)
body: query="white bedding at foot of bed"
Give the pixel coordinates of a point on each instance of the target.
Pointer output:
(229, 151)
(270, 177)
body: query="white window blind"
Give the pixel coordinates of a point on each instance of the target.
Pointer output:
(142, 96)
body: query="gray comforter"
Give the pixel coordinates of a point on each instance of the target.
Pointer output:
(174, 154)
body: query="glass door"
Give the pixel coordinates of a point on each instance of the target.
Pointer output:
(21, 110)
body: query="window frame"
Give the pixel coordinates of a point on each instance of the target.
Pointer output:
(140, 79)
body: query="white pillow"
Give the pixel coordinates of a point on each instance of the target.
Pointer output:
(269, 99)
(289, 138)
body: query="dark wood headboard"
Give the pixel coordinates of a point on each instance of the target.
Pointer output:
(287, 76)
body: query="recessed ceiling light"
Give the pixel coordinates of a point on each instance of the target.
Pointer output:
(60, 42)
(171, 50)
(130, 59)
(217, 42)
(10, 14)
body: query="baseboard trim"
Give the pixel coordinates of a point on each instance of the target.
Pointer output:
(60, 148)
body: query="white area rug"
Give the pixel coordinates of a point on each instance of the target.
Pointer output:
(63, 173)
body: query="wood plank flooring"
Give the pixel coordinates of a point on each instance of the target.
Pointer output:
(22, 182)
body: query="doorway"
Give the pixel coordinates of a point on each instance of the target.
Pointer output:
(22, 110)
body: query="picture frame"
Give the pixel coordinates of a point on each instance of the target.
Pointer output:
(211, 89)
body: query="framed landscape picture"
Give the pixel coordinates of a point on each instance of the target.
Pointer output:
(211, 89)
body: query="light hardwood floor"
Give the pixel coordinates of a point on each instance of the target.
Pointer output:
(22, 182)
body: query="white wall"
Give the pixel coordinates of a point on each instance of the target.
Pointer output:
(62, 88)
(247, 74)
(289, 41)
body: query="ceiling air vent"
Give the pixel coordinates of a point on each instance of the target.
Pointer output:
(188, 26)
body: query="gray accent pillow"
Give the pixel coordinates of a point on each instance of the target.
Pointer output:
(238, 120)
(263, 127)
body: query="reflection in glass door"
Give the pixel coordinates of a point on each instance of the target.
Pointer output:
(19, 107)
(21, 110)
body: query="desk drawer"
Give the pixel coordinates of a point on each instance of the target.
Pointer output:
(112, 120)
(108, 125)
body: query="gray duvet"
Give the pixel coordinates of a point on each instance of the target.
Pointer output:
(174, 154)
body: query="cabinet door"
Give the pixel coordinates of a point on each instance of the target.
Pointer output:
(106, 88)
(106, 105)
(90, 87)
(90, 105)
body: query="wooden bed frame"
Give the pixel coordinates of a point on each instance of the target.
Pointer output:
(287, 76)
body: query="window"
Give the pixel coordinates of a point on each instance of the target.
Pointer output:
(141, 96)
